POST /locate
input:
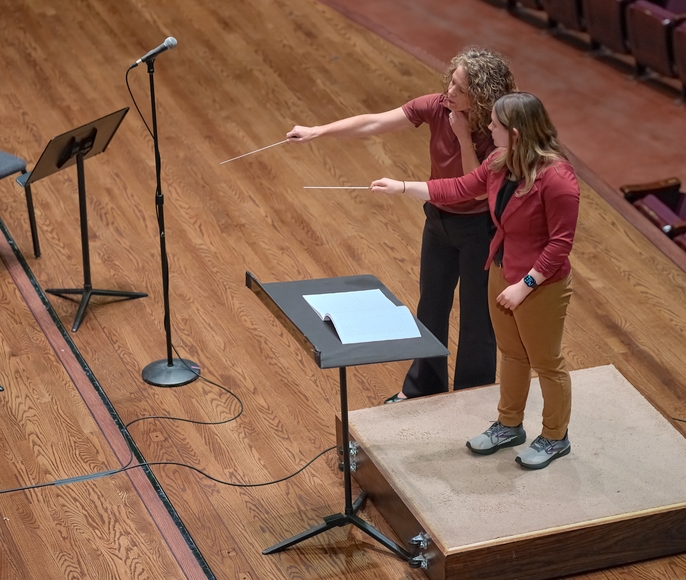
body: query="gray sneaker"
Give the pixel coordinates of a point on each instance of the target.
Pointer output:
(496, 437)
(542, 451)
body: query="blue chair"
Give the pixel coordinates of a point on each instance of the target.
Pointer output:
(9, 165)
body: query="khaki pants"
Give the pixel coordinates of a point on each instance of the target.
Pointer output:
(530, 337)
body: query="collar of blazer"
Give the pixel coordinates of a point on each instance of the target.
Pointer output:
(516, 201)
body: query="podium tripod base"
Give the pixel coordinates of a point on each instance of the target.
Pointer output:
(86, 294)
(338, 520)
(180, 372)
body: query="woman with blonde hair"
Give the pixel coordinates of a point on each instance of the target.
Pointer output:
(456, 234)
(533, 196)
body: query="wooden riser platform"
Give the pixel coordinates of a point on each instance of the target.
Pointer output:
(617, 498)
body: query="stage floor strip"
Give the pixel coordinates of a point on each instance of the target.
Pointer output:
(154, 499)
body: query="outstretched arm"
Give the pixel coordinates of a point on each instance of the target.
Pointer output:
(418, 189)
(358, 126)
(441, 191)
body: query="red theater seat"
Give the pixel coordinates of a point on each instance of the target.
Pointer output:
(668, 190)
(606, 23)
(679, 45)
(568, 13)
(649, 31)
(662, 216)
(661, 202)
(532, 4)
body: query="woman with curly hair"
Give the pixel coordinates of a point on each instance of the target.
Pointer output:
(533, 196)
(456, 235)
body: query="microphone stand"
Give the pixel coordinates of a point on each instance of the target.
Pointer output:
(167, 372)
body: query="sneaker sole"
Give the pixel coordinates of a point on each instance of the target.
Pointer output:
(545, 463)
(491, 450)
(395, 399)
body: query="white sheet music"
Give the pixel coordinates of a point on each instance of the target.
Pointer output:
(364, 316)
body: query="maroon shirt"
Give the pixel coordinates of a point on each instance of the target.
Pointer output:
(444, 147)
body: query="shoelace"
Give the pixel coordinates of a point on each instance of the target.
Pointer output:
(497, 430)
(494, 428)
(541, 443)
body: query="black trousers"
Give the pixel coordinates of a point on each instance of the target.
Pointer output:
(454, 248)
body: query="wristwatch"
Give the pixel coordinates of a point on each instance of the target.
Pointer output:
(530, 282)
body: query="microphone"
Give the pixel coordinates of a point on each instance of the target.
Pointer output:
(168, 44)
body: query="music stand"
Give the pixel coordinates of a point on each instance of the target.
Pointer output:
(61, 152)
(285, 301)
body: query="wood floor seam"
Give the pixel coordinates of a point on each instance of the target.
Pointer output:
(83, 378)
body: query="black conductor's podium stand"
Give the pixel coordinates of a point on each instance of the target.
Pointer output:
(64, 151)
(285, 301)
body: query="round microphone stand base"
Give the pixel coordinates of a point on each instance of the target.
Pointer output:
(161, 374)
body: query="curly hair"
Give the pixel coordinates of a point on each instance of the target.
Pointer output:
(488, 78)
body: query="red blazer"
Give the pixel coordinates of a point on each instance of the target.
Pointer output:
(537, 228)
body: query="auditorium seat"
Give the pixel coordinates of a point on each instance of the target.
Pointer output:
(568, 13)
(531, 4)
(606, 23)
(662, 216)
(649, 31)
(679, 45)
(662, 202)
(667, 190)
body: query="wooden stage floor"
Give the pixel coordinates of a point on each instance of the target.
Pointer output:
(243, 74)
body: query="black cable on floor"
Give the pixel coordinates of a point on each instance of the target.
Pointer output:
(128, 465)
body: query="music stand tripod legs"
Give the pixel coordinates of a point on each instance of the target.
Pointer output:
(351, 508)
(87, 291)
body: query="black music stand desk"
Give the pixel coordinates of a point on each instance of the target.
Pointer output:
(73, 147)
(285, 301)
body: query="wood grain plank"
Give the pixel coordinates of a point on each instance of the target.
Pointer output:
(242, 75)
